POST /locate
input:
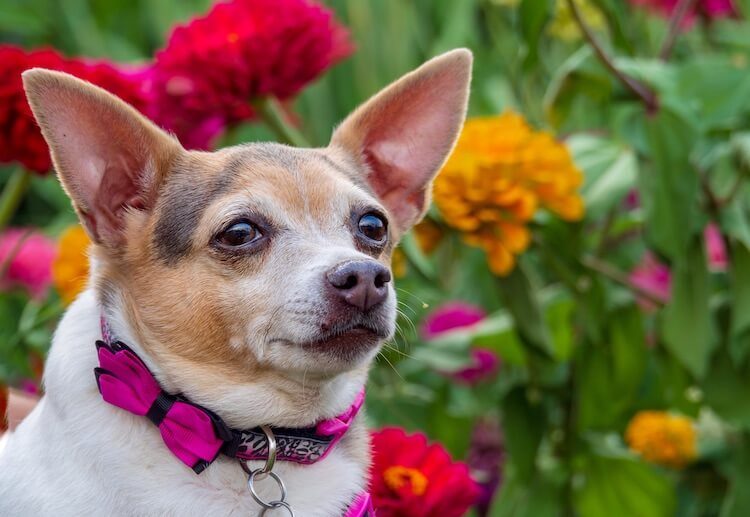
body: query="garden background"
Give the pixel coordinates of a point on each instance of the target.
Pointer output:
(574, 311)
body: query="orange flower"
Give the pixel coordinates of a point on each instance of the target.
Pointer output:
(428, 235)
(70, 269)
(500, 173)
(662, 438)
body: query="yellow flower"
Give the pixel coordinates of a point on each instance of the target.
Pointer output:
(398, 477)
(70, 269)
(564, 25)
(662, 438)
(399, 264)
(500, 173)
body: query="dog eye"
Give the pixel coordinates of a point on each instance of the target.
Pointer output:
(373, 227)
(239, 234)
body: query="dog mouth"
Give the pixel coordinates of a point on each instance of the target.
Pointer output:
(348, 341)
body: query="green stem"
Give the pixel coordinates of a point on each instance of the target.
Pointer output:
(270, 111)
(12, 195)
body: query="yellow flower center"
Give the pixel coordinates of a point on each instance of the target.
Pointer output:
(233, 37)
(398, 477)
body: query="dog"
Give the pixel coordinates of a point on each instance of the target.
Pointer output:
(247, 288)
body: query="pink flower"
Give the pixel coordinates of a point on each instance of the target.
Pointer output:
(654, 277)
(710, 9)
(30, 256)
(452, 315)
(486, 458)
(241, 50)
(484, 365)
(457, 315)
(717, 253)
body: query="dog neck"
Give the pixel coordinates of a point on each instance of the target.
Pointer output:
(273, 398)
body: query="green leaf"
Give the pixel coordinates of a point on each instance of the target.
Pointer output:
(737, 501)
(519, 296)
(542, 497)
(724, 389)
(621, 487)
(497, 333)
(558, 316)
(669, 188)
(523, 426)
(610, 169)
(740, 302)
(611, 375)
(533, 15)
(688, 327)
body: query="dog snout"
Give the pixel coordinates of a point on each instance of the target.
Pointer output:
(360, 283)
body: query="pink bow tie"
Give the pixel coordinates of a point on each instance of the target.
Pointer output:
(189, 431)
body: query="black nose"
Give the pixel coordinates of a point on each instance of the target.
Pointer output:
(361, 283)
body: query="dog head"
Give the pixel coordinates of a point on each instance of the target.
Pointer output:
(259, 263)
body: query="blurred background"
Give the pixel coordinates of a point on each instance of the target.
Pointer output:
(575, 309)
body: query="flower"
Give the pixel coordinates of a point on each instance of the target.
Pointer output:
(485, 459)
(213, 67)
(20, 138)
(413, 479)
(715, 249)
(455, 315)
(450, 316)
(428, 235)
(710, 9)
(3, 407)
(70, 269)
(564, 26)
(399, 263)
(662, 438)
(653, 277)
(500, 173)
(25, 260)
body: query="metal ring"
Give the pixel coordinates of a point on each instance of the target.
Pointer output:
(272, 450)
(279, 504)
(271, 438)
(268, 505)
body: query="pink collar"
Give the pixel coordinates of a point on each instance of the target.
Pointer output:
(197, 435)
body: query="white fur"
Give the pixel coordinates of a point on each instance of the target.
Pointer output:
(77, 455)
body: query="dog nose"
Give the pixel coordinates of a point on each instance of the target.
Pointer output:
(361, 283)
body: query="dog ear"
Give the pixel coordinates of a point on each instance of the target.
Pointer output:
(402, 136)
(109, 158)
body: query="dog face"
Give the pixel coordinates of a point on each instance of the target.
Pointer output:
(258, 259)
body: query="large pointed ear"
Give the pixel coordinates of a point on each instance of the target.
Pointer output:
(110, 159)
(402, 136)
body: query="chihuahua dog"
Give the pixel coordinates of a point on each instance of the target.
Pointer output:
(232, 289)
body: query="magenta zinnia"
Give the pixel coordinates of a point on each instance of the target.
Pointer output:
(20, 138)
(213, 67)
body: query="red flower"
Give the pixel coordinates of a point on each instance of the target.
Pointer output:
(413, 479)
(20, 138)
(707, 8)
(214, 66)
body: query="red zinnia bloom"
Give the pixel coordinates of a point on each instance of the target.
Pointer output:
(214, 66)
(20, 138)
(707, 8)
(413, 479)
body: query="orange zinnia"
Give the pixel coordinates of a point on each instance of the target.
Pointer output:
(500, 173)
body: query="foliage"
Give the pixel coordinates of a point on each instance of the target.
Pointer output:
(654, 111)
